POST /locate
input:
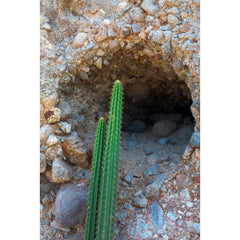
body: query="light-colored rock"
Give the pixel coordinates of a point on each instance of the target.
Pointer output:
(52, 139)
(102, 35)
(98, 63)
(136, 13)
(61, 171)
(45, 131)
(149, 7)
(47, 27)
(43, 163)
(152, 190)
(173, 20)
(54, 151)
(157, 215)
(50, 100)
(53, 115)
(140, 202)
(157, 36)
(79, 40)
(163, 128)
(65, 127)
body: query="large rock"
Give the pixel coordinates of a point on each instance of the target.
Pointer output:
(71, 206)
(164, 128)
(75, 149)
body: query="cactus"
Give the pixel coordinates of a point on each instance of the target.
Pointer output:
(104, 194)
(94, 191)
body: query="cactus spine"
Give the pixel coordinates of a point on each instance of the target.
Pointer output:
(106, 193)
(94, 191)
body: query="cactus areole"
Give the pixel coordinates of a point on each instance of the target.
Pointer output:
(104, 177)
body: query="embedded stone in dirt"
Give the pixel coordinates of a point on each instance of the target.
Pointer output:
(157, 215)
(71, 206)
(74, 148)
(164, 128)
(140, 202)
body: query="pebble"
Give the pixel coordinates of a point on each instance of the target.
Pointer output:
(52, 139)
(100, 53)
(102, 35)
(122, 215)
(173, 20)
(53, 115)
(65, 127)
(43, 163)
(128, 206)
(61, 67)
(79, 174)
(189, 204)
(163, 128)
(163, 141)
(157, 215)
(157, 36)
(47, 27)
(149, 7)
(172, 216)
(153, 170)
(74, 148)
(136, 27)
(45, 131)
(196, 227)
(65, 110)
(129, 179)
(61, 171)
(79, 40)
(98, 63)
(152, 190)
(136, 13)
(69, 201)
(90, 45)
(140, 202)
(126, 193)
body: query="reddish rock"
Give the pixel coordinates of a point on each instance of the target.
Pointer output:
(74, 148)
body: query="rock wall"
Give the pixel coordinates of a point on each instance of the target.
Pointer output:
(153, 48)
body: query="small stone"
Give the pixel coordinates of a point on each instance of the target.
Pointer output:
(126, 193)
(54, 151)
(122, 215)
(128, 206)
(140, 202)
(114, 46)
(98, 63)
(157, 36)
(65, 127)
(163, 141)
(90, 45)
(83, 75)
(47, 199)
(43, 163)
(45, 131)
(79, 40)
(153, 170)
(53, 115)
(111, 33)
(61, 67)
(149, 7)
(129, 178)
(79, 174)
(124, 32)
(157, 215)
(65, 110)
(172, 216)
(141, 225)
(138, 126)
(196, 227)
(74, 148)
(136, 13)
(100, 53)
(71, 206)
(195, 140)
(163, 128)
(173, 20)
(185, 132)
(57, 226)
(185, 194)
(49, 101)
(136, 27)
(47, 27)
(52, 139)
(189, 204)
(152, 190)
(61, 171)
(102, 35)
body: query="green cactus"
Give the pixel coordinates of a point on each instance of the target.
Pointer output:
(94, 191)
(104, 195)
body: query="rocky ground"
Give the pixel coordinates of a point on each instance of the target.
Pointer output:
(153, 48)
